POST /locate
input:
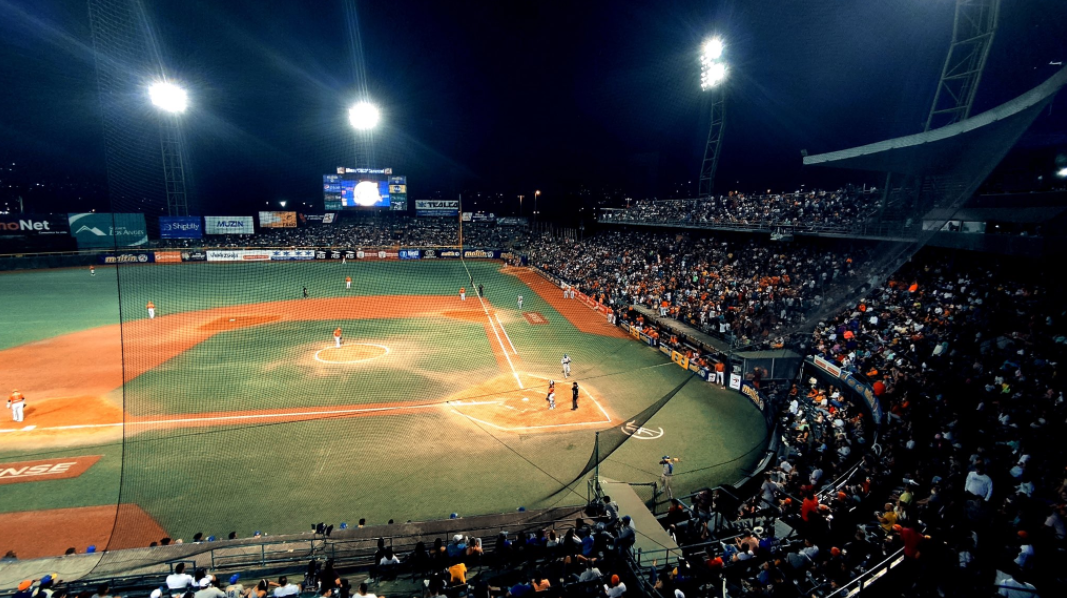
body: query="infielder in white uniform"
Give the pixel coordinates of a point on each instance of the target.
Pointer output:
(520, 301)
(551, 399)
(566, 363)
(16, 403)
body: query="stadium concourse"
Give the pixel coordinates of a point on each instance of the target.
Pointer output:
(961, 486)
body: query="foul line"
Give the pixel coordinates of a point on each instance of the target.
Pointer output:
(300, 415)
(502, 329)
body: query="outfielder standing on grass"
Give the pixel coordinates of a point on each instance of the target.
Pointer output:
(463, 293)
(151, 310)
(520, 302)
(348, 282)
(92, 270)
(16, 403)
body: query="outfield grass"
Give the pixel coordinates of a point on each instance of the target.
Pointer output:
(404, 466)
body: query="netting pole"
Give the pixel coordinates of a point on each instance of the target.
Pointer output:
(596, 466)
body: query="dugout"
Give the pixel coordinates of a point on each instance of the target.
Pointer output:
(781, 364)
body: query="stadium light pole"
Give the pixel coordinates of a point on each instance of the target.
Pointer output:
(364, 118)
(520, 205)
(537, 194)
(172, 101)
(712, 74)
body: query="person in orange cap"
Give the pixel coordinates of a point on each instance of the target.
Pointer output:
(337, 337)
(151, 310)
(348, 282)
(16, 403)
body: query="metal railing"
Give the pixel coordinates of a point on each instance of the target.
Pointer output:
(860, 229)
(869, 576)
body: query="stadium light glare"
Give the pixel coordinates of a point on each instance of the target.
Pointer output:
(168, 97)
(1062, 173)
(713, 75)
(364, 116)
(713, 48)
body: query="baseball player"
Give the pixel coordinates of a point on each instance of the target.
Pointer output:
(463, 293)
(348, 282)
(551, 398)
(151, 310)
(337, 337)
(574, 396)
(16, 403)
(668, 473)
(305, 292)
(566, 363)
(520, 301)
(92, 270)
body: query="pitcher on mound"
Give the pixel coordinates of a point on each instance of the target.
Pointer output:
(337, 337)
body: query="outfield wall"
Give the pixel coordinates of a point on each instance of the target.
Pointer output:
(78, 259)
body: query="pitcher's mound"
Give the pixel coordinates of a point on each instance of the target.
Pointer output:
(351, 353)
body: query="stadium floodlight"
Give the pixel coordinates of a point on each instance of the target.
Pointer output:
(1062, 173)
(712, 66)
(168, 97)
(713, 48)
(364, 116)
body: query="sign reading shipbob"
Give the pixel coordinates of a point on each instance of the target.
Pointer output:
(229, 225)
(180, 227)
(104, 229)
(25, 225)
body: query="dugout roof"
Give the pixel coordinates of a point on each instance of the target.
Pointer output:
(935, 152)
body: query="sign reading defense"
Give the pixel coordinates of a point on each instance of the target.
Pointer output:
(47, 469)
(229, 225)
(104, 229)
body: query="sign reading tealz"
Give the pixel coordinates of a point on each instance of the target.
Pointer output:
(58, 468)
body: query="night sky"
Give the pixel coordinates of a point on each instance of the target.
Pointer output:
(508, 97)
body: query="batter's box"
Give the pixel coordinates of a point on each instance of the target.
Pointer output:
(500, 404)
(535, 317)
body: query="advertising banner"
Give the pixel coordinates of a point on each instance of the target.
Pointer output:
(680, 359)
(292, 255)
(180, 227)
(827, 367)
(277, 219)
(409, 254)
(446, 254)
(481, 254)
(127, 258)
(168, 257)
(750, 391)
(228, 225)
(310, 219)
(194, 256)
(867, 393)
(377, 255)
(239, 255)
(437, 207)
(511, 221)
(35, 225)
(104, 229)
(735, 381)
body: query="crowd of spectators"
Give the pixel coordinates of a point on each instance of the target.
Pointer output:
(965, 475)
(745, 292)
(798, 211)
(394, 232)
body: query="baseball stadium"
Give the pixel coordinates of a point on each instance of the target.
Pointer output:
(673, 300)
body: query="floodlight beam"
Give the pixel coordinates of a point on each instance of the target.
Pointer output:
(364, 116)
(168, 97)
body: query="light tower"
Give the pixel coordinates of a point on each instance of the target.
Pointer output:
(972, 36)
(364, 117)
(171, 100)
(712, 74)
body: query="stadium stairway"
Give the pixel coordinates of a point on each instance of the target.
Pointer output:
(652, 539)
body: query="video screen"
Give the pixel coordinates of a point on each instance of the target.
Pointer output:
(364, 188)
(365, 194)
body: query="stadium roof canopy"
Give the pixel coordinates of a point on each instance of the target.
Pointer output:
(940, 150)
